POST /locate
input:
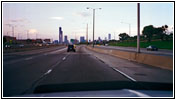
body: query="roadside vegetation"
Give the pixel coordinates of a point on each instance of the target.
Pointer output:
(157, 36)
(159, 44)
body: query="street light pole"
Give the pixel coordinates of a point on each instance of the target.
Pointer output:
(36, 36)
(93, 25)
(129, 28)
(138, 24)
(93, 21)
(114, 35)
(13, 31)
(27, 34)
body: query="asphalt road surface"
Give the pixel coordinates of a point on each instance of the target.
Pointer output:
(22, 72)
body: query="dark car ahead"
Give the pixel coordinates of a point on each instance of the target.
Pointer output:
(71, 48)
(152, 48)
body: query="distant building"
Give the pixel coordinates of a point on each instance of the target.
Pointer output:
(56, 42)
(39, 41)
(109, 36)
(74, 41)
(65, 39)
(47, 41)
(99, 39)
(82, 40)
(60, 35)
(9, 39)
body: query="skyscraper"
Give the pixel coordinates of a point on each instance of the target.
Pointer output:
(65, 39)
(109, 36)
(60, 35)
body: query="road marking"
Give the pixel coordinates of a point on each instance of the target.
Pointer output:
(45, 54)
(28, 58)
(48, 71)
(138, 93)
(57, 51)
(64, 58)
(124, 74)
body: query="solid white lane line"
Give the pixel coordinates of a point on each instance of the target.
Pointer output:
(124, 74)
(29, 58)
(139, 93)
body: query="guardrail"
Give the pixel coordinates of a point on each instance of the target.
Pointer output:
(149, 59)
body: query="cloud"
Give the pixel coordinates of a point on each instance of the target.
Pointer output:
(82, 14)
(32, 30)
(57, 18)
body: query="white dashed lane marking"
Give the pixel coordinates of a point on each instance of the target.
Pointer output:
(48, 71)
(64, 58)
(28, 58)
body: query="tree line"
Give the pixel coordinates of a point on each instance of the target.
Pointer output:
(150, 33)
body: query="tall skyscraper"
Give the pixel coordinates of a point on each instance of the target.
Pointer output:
(109, 36)
(60, 35)
(65, 39)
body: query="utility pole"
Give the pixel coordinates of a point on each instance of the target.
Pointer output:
(114, 35)
(27, 34)
(13, 26)
(18, 36)
(13, 31)
(7, 33)
(129, 29)
(138, 24)
(36, 36)
(87, 33)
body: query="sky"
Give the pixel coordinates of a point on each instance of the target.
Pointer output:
(42, 20)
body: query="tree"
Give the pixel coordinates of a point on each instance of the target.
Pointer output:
(123, 36)
(4, 40)
(148, 32)
(161, 32)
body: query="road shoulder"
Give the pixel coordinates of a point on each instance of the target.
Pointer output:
(139, 72)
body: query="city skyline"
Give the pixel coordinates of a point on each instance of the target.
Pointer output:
(42, 20)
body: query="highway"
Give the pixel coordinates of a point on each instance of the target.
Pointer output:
(161, 52)
(23, 71)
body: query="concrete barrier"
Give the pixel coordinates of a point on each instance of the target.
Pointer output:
(149, 59)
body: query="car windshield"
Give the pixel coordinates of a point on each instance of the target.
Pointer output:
(51, 47)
